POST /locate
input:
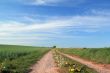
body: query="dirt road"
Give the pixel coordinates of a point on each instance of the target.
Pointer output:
(45, 65)
(98, 67)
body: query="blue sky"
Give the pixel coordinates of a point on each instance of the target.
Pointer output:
(64, 23)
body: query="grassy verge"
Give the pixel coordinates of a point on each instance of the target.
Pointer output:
(101, 55)
(66, 65)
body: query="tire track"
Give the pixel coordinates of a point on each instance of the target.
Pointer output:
(97, 67)
(45, 65)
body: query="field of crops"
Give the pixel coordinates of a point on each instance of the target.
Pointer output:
(99, 55)
(18, 59)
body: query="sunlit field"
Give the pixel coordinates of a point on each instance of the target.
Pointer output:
(18, 59)
(99, 55)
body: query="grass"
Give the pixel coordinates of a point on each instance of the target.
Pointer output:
(18, 59)
(61, 62)
(99, 55)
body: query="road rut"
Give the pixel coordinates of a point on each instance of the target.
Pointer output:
(45, 65)
(98, 67)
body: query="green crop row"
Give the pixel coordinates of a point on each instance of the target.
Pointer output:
(18, 59)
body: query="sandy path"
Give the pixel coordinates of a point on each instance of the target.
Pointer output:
(98, 67)
(45, 65)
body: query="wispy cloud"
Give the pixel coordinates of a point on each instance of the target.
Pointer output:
(58, 27)
(104, 12)
(45, 2)
(86, 22)
(54, 21)
(56, 2)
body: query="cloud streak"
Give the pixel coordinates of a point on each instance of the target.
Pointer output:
(56, 2)
(52, 28)
(58, 23)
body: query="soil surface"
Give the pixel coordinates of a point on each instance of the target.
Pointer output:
(100, 68)
(45, 65)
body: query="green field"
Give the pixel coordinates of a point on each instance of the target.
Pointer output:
(19, 59)
(99, 55)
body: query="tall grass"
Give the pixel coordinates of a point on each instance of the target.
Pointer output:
(100, 55)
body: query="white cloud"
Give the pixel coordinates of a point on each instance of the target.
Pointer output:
(3, 34)
(88, 22)
(43, 2)
(56, 2)
(56, 28)
(99, 12)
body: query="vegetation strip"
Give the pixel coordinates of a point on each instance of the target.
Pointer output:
(70, 66)
(18, 59)
(89, 64)
(99, 55)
